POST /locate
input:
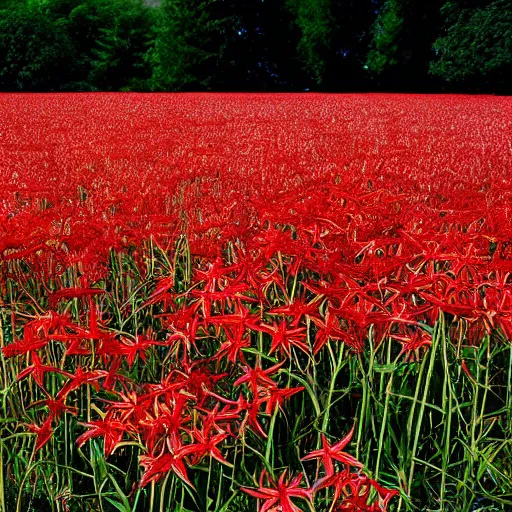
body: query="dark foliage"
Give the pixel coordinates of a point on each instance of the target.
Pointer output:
(256, 45)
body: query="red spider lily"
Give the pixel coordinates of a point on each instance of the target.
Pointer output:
(56, 407)
(216, 420)
(80, 378)
(163, 286)
(237, 340)
(279, 495)
(183, 323)
(275, 241)
(39, 370)
(52, 323)
(73, 293)
(283, 338)
(352, 492)
(111, 431)
(329, 453)
(214, 273)
(264, 279)
(166, 422)
(25, 346)
(43, 432)
(329, 329)
(156, 467)
(36, 334)
(223, 299)
(200, 381)
(242, 318)
(276, 397)
(298, 309)
(385, 494)
(204, 445)
(131, 407)
(257, 376)
(412, 342)
(112, 375)
(131, 349)
(252, 409)
(356, 494)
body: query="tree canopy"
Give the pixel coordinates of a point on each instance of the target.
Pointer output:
(476, 46)
(330, 45)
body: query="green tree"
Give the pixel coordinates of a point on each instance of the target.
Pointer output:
(401, 47)
(109, 39)
(190, 39)
(350, 38)
(261, 51)
(315, 21)
(35, 50)
(118, 61)
(386, 34)
(476, 48)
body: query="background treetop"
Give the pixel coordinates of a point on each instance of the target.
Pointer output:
(278, 45)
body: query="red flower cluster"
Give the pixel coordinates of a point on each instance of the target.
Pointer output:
(285, 224)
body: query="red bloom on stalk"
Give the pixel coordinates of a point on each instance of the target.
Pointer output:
(56, 406)
(356, 494)
(183, 325)
(298, 309)
(351, 492)
(329, 453)
(132, 407)
(328, 329)
(167, 424)
(204, 445)
(232, 347)
(73, 293)
(44, 432)
(112, 432)
(279, 495)
(252, 409)
(80, 378)
(242, 317)
(284, 338)
(276, 396)
(214, 418)
(131, 349)
(156, 467)
(257, 376)
(39, 370)
(414, 341)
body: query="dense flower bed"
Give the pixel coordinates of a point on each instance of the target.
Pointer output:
(242, 296)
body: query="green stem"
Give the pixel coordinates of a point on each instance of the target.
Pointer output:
(433, 349)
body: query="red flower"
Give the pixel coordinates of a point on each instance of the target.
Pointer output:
(329, 453)
(258, 376)
(232, 347)
(156, 467)
(72, 293)
(44, 432)
(205, 445)
(280, 494)
(283, 338)
(39, 370)
(80, 378)
(276, 396)
(112, 432)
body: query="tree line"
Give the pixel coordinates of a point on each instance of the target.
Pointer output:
(256, 45)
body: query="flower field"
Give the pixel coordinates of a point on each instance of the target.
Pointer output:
(275, 302)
